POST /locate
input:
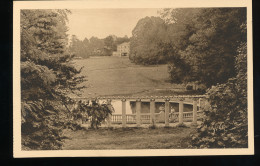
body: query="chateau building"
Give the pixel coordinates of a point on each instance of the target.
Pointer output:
(122, 50)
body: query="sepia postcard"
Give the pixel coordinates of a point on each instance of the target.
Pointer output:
(132, 78)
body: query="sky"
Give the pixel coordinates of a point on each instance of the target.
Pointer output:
(104, 22)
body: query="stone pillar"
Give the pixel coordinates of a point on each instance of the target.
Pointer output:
(152, 112)
(167, 110)
(138, 112)
(194, 120)
(181, 111)
(124, 113)
(109, 116)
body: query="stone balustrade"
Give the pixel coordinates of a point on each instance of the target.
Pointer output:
(152, 118)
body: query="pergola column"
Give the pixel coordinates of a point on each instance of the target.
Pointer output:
(181, 111)
(138, 112)
(152, 112)
(167, 110)
(123, 112)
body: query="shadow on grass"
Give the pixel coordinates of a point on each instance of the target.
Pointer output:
(129, 138)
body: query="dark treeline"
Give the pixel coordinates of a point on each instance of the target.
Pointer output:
(95, 46)
(200, 45)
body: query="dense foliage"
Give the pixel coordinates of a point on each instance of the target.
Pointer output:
(207, 42)
(203, 46)
(47, 77)
(199, 44)
(146, 42)
(92, 111)
(225, 121)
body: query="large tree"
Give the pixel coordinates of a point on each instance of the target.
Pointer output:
(47, 77)
(96, 44)
(205, 43)
(109, 45)
(145, 43)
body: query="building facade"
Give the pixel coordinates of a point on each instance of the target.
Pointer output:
(123, 50)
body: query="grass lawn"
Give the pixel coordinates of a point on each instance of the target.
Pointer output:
(107, 76)
(128, 138)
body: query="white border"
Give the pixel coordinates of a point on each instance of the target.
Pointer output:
(18, 153)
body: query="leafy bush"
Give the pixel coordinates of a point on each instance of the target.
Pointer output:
(225, 121)
(93, 111)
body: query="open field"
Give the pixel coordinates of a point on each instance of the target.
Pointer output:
(128, 138)
(118, 76)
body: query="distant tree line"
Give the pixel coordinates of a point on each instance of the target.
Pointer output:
(95, 46)
(200, 45)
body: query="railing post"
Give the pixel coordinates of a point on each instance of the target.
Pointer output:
(194, 120)
(152, 112)
(124, 113)
(138, 112)
(181, 111)
(109, 116)
(167, 110)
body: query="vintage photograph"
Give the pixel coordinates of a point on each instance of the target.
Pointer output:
(133, 79)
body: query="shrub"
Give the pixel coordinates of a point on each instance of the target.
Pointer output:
(225, 121)
(93, 111)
